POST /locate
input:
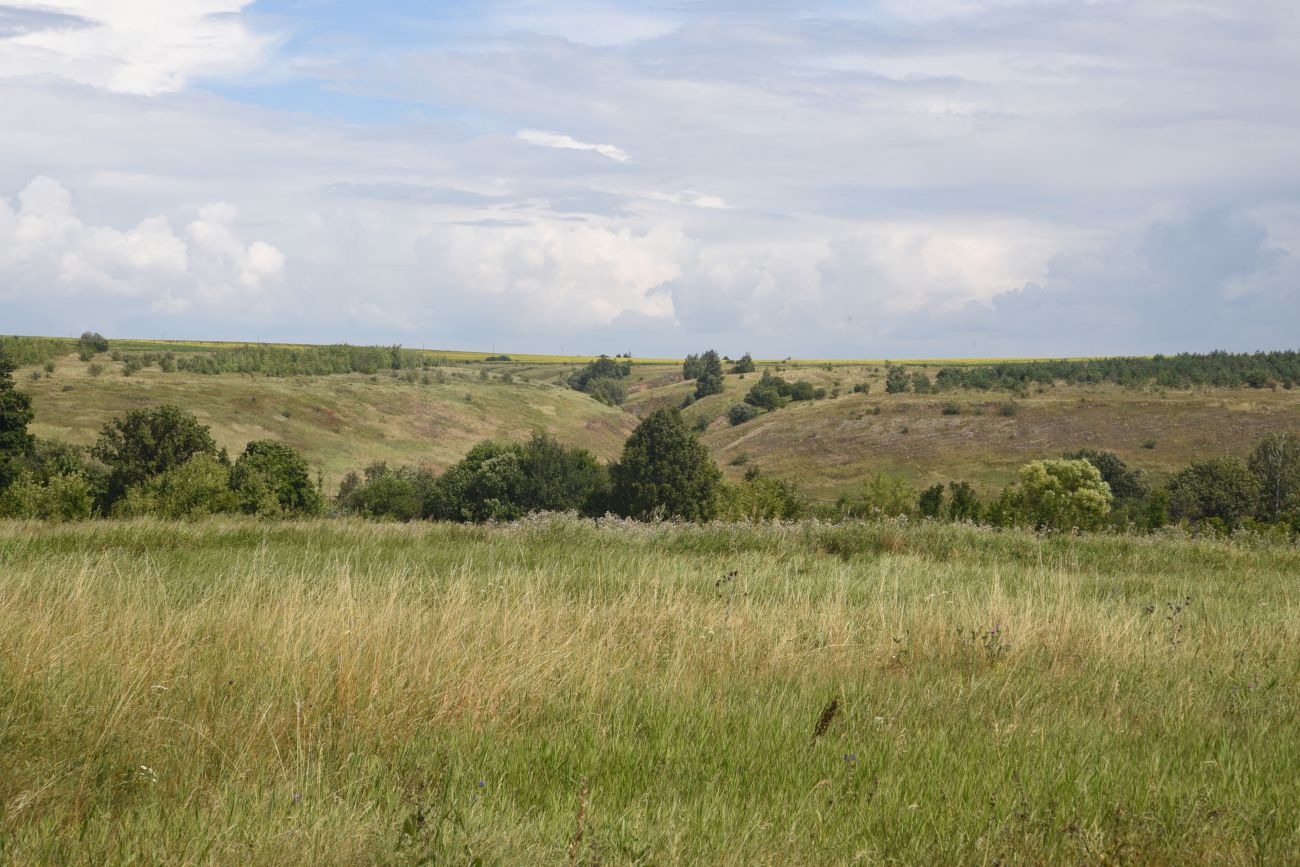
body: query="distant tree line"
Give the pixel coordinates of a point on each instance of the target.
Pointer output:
(1185, 370)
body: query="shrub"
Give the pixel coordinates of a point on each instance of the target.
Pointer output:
(611, 392)
(200, 486)
(744, 365)
(272, 478)
(896, 380)
(951, 408)
(1219, 488)
(802, 390)
(95, 369)
(1008, 409)
(708, 383)
(665, 471)
(770, 392)
(741, 413)
(603, 367)
(921, 382)
(61, 497)
(1064, 494)
(882, 495)
(91, 342)
(862, 388)
(759, 498)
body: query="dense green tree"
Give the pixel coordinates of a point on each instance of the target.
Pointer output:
(770, 392)
(963, 504)
(1223, 489)
(896, 380)
(692, 367)
(1125, 483)
(277, 468)
(484, 485)
(709, 378)
(803, 390)
(89, 343)
(665, 471)
(708, 384)
(1275, 463)
(561, 479)
(929, 503)
(147, 442)
(744, 365)
(603, 367)
(402, 494)
(15, 414)
(921, 382)
(1064, 494)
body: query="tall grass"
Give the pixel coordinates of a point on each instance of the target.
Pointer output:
(560, 691)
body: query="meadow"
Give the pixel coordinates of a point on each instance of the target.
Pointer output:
(567, 691)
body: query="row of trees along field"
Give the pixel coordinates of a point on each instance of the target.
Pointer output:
(163, 462)
(603, 377)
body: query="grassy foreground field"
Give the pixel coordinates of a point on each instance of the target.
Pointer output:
(562, 692)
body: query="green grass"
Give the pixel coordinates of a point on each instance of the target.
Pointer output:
(561, 692)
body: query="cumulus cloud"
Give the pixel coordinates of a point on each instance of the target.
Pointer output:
(48, 251)
(128, 46)
(895, 178)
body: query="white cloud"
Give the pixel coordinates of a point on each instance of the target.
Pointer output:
(564, 142)
(46, 247)
(551, 274)
(133, 46)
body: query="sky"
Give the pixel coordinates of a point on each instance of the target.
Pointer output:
(822, 179)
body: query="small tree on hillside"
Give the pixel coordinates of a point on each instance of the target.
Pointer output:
(148, 442)
(665, 471)
(744, 365)
(692, 367)
(15, 414)
(896, 380)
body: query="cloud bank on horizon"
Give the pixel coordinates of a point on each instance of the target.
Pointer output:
(833, 178)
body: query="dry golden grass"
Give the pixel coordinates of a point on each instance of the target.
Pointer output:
(333, 692)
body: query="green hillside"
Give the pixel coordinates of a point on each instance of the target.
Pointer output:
(432, 415)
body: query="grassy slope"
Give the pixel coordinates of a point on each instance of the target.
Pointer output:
(344, 693)
(827, 447)
(339, 422)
